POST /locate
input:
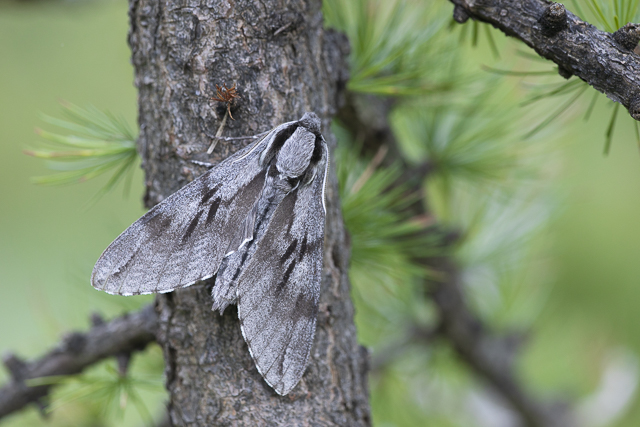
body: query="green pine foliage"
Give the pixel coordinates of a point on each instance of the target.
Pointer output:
(99, 143)
(103, 396)
(385, 242)
(398, 48)
(606, 14)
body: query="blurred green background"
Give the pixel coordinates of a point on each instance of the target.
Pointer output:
(49, 238)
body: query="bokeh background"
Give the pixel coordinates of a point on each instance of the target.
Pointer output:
(583, 342)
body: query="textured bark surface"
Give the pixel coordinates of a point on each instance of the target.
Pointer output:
(284, 63)
(597, 57)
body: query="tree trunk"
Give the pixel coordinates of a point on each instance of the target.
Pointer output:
(284, 63)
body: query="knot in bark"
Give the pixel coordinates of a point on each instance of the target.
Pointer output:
(628, 36)
(16, 367)
(634, 107)
(553, 19)
(564, 72)
(460, 15)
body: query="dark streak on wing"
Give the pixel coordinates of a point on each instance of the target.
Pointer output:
(213, 210)
(317, 151)
(285, 280)
(303, 248)
(293, 200)
(192, 226)
(239, 269)
(290, 249)
(209, 194)
(279, 140)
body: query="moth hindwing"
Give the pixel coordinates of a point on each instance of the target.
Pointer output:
(256, 222)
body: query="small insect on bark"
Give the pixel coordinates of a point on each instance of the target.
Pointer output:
(256, 222)
(227, 96)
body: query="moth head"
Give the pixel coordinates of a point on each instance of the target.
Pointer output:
(311, 122)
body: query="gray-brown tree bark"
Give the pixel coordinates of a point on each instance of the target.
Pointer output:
(284, 63)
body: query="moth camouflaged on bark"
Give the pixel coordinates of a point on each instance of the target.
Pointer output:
(256, 222)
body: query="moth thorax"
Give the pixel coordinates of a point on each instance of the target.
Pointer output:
(295, 155)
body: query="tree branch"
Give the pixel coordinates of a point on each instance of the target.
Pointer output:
(489, 355)
(606, 61)
(76, 351)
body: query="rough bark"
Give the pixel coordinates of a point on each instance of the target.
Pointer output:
(606, 61)
(284, 63)
(73, 354)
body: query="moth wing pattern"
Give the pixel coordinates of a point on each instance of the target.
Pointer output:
(184, 238)
(278, 291)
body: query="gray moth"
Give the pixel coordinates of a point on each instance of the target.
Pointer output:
(256, 222)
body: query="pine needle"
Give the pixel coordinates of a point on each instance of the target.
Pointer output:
(551, 117)
(610, 128)
(100, 143)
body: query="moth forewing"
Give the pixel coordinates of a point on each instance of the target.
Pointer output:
(256, 221)
(182, 239)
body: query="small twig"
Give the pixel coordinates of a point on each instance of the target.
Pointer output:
(238, 138)
(77, 351)
(217, 138)
(226, 95)
(218, 133)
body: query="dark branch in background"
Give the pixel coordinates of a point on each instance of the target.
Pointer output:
(606, 61)
(489, 355)
(77, 351)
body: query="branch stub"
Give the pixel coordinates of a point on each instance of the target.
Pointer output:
(628, 36)
(634, 107)
(460, 15)
(553, 19)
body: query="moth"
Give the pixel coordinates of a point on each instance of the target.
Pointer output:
(256, 222)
